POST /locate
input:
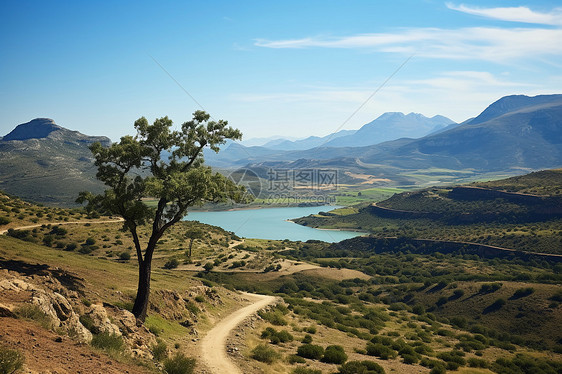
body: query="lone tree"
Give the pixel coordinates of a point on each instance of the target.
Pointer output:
(193, 233)
(134, 169)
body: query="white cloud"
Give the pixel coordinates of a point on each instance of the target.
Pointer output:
(477, 43)
(512, 14)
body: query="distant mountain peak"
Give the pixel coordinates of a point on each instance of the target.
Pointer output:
(34, 129)
(510, 103)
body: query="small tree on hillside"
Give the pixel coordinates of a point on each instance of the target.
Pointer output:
(193, 233)
(133, 169)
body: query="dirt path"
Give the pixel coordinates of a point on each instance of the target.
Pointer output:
(213, 345)
(2, 232)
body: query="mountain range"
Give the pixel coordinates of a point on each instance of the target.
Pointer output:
(48, 163)
(388, 126)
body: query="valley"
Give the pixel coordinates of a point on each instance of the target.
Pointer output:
(390, 301)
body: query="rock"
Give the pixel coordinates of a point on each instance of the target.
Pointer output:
(6, 311)
(61, 306)
(101, 321)
(127, 321)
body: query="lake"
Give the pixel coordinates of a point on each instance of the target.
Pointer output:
(271, 223)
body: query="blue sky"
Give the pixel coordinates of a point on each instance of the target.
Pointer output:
(293, 68)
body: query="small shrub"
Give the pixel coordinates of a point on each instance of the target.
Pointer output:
(439, 369)
(311, 351)
(334, 354)
(265, 354)
(10, 360)
(208, 266)
(171, 264)
(179, 364)
(307, 339)
(496, 305)
(294, 359)
(34, 313)
(160, 351)
(199, 298)
(274, 317)
(490, 287)
(4, 221)
(70, 247)
(125, 256)
(88, 323)
(381, 351)
(522, 292)
(301, 370)
(477, 362)
(90, 241)
(108, 342)
(361, 367)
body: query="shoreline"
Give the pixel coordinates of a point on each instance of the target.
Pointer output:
(256, 207)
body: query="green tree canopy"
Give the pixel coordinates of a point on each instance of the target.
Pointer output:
(166, 165)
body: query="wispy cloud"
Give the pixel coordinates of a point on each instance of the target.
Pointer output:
(479, 43)
(512, 14)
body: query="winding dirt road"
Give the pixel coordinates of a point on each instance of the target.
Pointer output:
(213, 345)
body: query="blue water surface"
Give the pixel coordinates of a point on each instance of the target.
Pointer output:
(271, 223)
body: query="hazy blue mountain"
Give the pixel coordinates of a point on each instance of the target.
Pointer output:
(44, 162)
(258, 142)
(391, 126)
(307, 143)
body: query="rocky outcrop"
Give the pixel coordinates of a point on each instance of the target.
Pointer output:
(57, 307)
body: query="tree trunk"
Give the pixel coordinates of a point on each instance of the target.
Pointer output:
(143, 291)
(190, 245)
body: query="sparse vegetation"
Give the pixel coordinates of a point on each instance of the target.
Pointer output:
(108, 342)
(11, 360)
(264, 353)
(179, 364)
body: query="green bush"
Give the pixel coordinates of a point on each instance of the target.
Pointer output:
(4, 221)
(34, 313)
(490, 287)
(265, 354)
(275, 336)
(522, 292)
(381, 351)
(179, 364)
(301, 370)
(108, 342)
(275, 317)
(361, 367)
(10, 360)
(311, 351)
(496, 305)
(294, 359)
(160, 351)
(88, 323)
(171, 264)
(125, 256)
(524, 364)
(439, 369)
(477, 362)
(334, 354)
(307, 339)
